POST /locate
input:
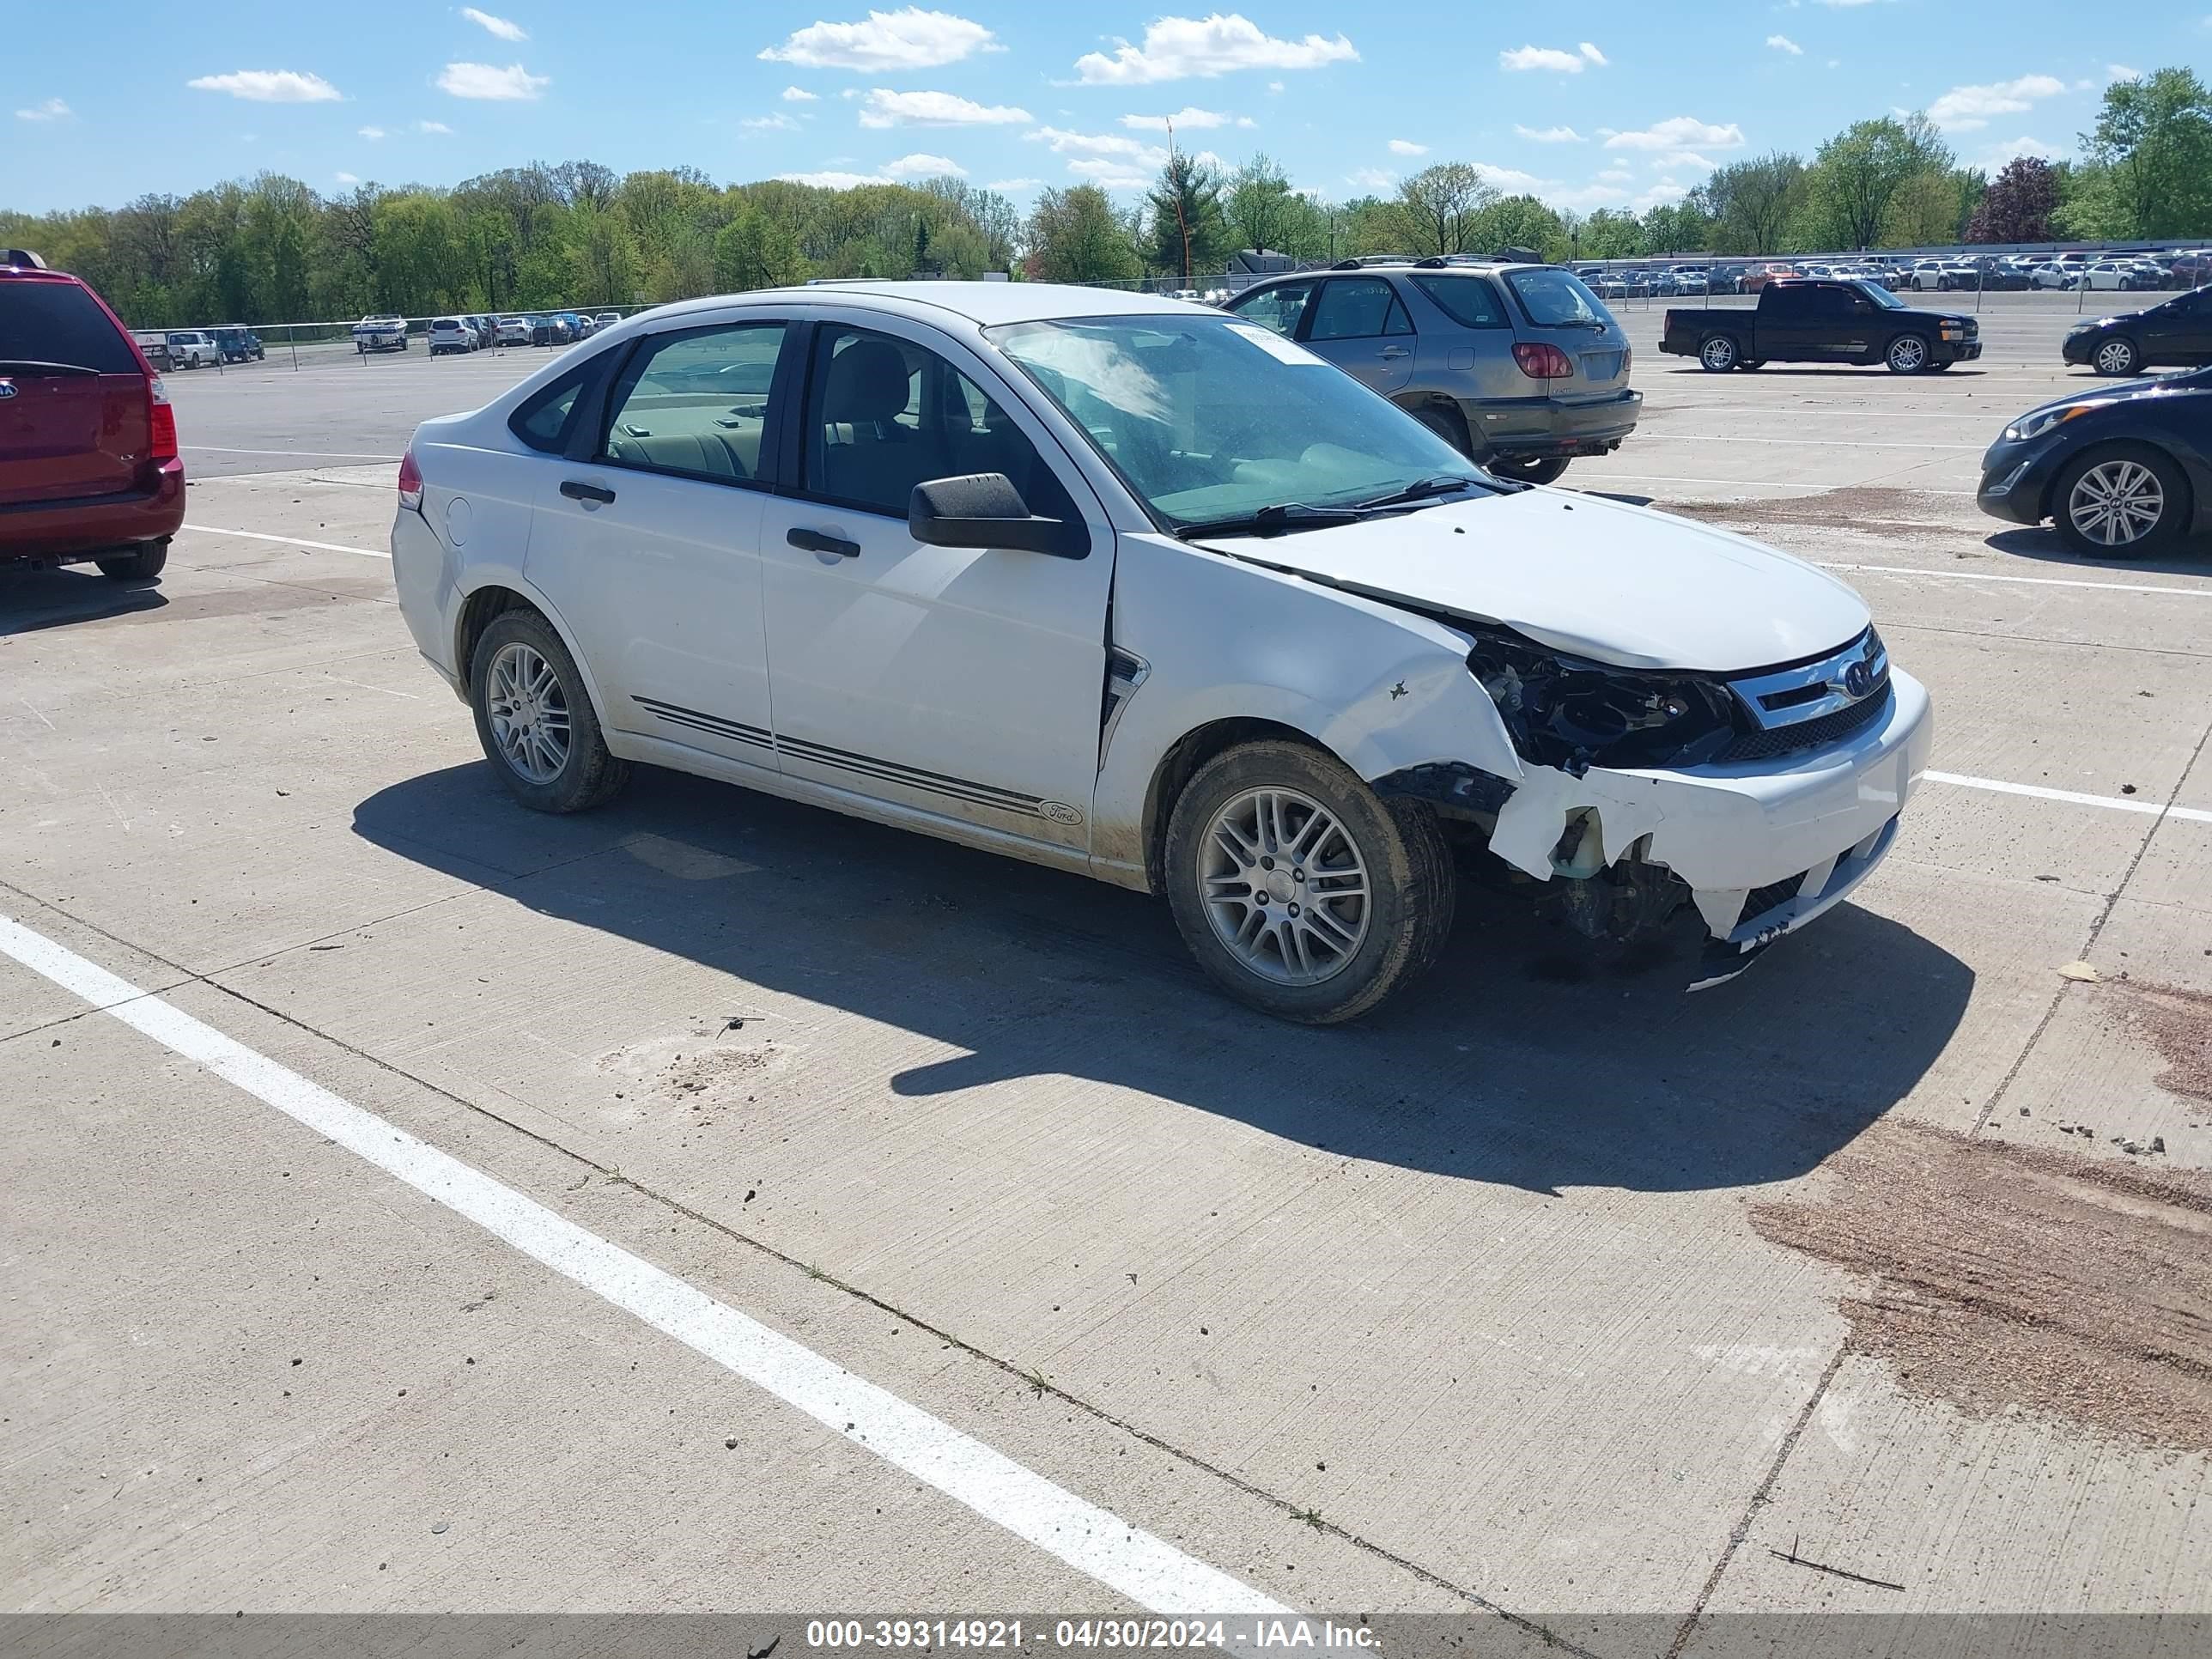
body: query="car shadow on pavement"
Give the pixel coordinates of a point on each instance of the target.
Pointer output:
(2045, 545)
(32, 599)
(1528, 1058)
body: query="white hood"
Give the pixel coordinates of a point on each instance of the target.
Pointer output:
(1617, 584)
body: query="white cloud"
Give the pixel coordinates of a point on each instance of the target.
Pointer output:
(491, 24)
(1009, 186)
(372, 133)
(1511, 181)
(1191, 119)
(1835, 62)
(270, 87)
(1616, 175)
(920, 165)
(1683, 158)
(53, 110)
(1549, 135)
(1552, 58)
(1064, 142)
(1408, 147)
(779, 122)
(832, 181)
(1178, 48)
(1962, 109)
(1848, 3)
(432, 126)
(1665, 193)
(1583, 198)
(1375, 180)
(2122, 72)
(1677, 131)
(1274, 86)
(800, 95)
(483, 81)
(909, 39)
(934, 109)
(1108, 174)
(1783, 43)
(1992, 157)
(346, 178)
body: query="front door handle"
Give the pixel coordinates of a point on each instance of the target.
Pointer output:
(815, 542)
(577, 490)
(1396, 351)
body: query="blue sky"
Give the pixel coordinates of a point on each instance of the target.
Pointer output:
(1614, 105)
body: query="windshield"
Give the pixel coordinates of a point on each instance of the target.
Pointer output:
(1881, 297)
(1557, 299)
(1208, 418)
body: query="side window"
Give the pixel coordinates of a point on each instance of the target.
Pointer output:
(694, 403)
(1468, 301)
(884, 414)
(1278, 309)
(543, 423)
(1787, 304)
(1357, 308)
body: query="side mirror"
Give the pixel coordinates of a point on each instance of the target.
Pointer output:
(984, 509)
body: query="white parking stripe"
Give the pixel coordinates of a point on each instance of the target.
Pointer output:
(326, 454)
(1657, 435)
(2025, 581)
(1147, 1570)
(288, 541)
(2075, 798)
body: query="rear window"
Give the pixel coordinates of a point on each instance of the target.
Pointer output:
(1555, 298)
(1470, 301)
(47, 322)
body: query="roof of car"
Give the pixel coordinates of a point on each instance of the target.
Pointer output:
(983, 303)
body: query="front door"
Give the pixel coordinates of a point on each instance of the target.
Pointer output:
(648, 544)
(1359, 324)
(961, 683)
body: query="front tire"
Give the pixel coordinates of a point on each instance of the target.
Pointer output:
(140, 565)
(1717, 354)
(1540, 471)
(1907, 354)
(2121, 502)
(535, 718)
(1301, 892)
(2117, 358)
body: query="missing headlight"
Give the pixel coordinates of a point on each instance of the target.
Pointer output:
(1565, 712)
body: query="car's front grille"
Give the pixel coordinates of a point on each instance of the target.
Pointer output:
(1809, 734)
(1600, 365)
(1760, 899)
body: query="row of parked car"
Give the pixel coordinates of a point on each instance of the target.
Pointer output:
(462, 334)
(2011, 272)
(200, 348)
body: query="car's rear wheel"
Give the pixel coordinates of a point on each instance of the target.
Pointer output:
(1446, 423)
(1753, 364)
(2121, 502)
(2117, 357)
(1298, 889)
(141, 565)
(1543, 471)
(535, 718)
(1907, 354)
(1717, 355)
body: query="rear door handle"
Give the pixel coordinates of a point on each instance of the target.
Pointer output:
(815, 542)
(577, 490)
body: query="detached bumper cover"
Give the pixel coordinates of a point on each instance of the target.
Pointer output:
(1765, 847)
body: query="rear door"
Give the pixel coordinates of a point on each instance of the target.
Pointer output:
(2186, 336)
(74, 410)
(1359, 324)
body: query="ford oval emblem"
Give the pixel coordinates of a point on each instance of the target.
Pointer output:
(1059, 811)
(1859, 678)
(7, 389)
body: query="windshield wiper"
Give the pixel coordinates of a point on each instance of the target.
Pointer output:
(33, 366)
(1419, 491)
(1274, 520)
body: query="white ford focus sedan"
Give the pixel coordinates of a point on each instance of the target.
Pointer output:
(1142, 592)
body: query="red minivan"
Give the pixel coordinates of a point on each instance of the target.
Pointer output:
(89, 472)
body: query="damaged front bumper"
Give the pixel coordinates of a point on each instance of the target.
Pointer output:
(1763, 847)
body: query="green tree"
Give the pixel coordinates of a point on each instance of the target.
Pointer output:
(1188, 234)
(1437, 207)
(2148, 166)
(2018, 204)
(1257, 204)
(1519, 222)
(1856, 174)
(1074, 237)
(1751, 203)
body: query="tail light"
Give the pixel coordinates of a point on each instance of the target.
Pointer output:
(1540, 361)
(161, 421)
(1628, 356)
(410, 482)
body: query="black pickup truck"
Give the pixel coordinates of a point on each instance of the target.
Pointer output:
(1802, 321)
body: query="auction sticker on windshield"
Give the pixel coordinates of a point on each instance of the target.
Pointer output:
(1275, 345)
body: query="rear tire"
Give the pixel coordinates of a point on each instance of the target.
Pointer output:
(1716, 354)
(2111, 491)
(1225, 880)
(141, 566)
(535, 718)
(1446, 423)
(1541, 471)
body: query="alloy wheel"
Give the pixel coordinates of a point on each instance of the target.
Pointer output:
(529, 713)
(2116, 357)
(1285, 886)
(1907, 353)
(2117, 503)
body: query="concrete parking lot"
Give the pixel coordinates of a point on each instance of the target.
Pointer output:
(1053, 1280)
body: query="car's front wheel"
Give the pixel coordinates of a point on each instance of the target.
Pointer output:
(2116, 357)
(1298, 889)
(535, 718)
(2123, 501)
(1907, 354)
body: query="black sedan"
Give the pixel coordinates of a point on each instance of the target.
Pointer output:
(2175, 334)
(2124, 472)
